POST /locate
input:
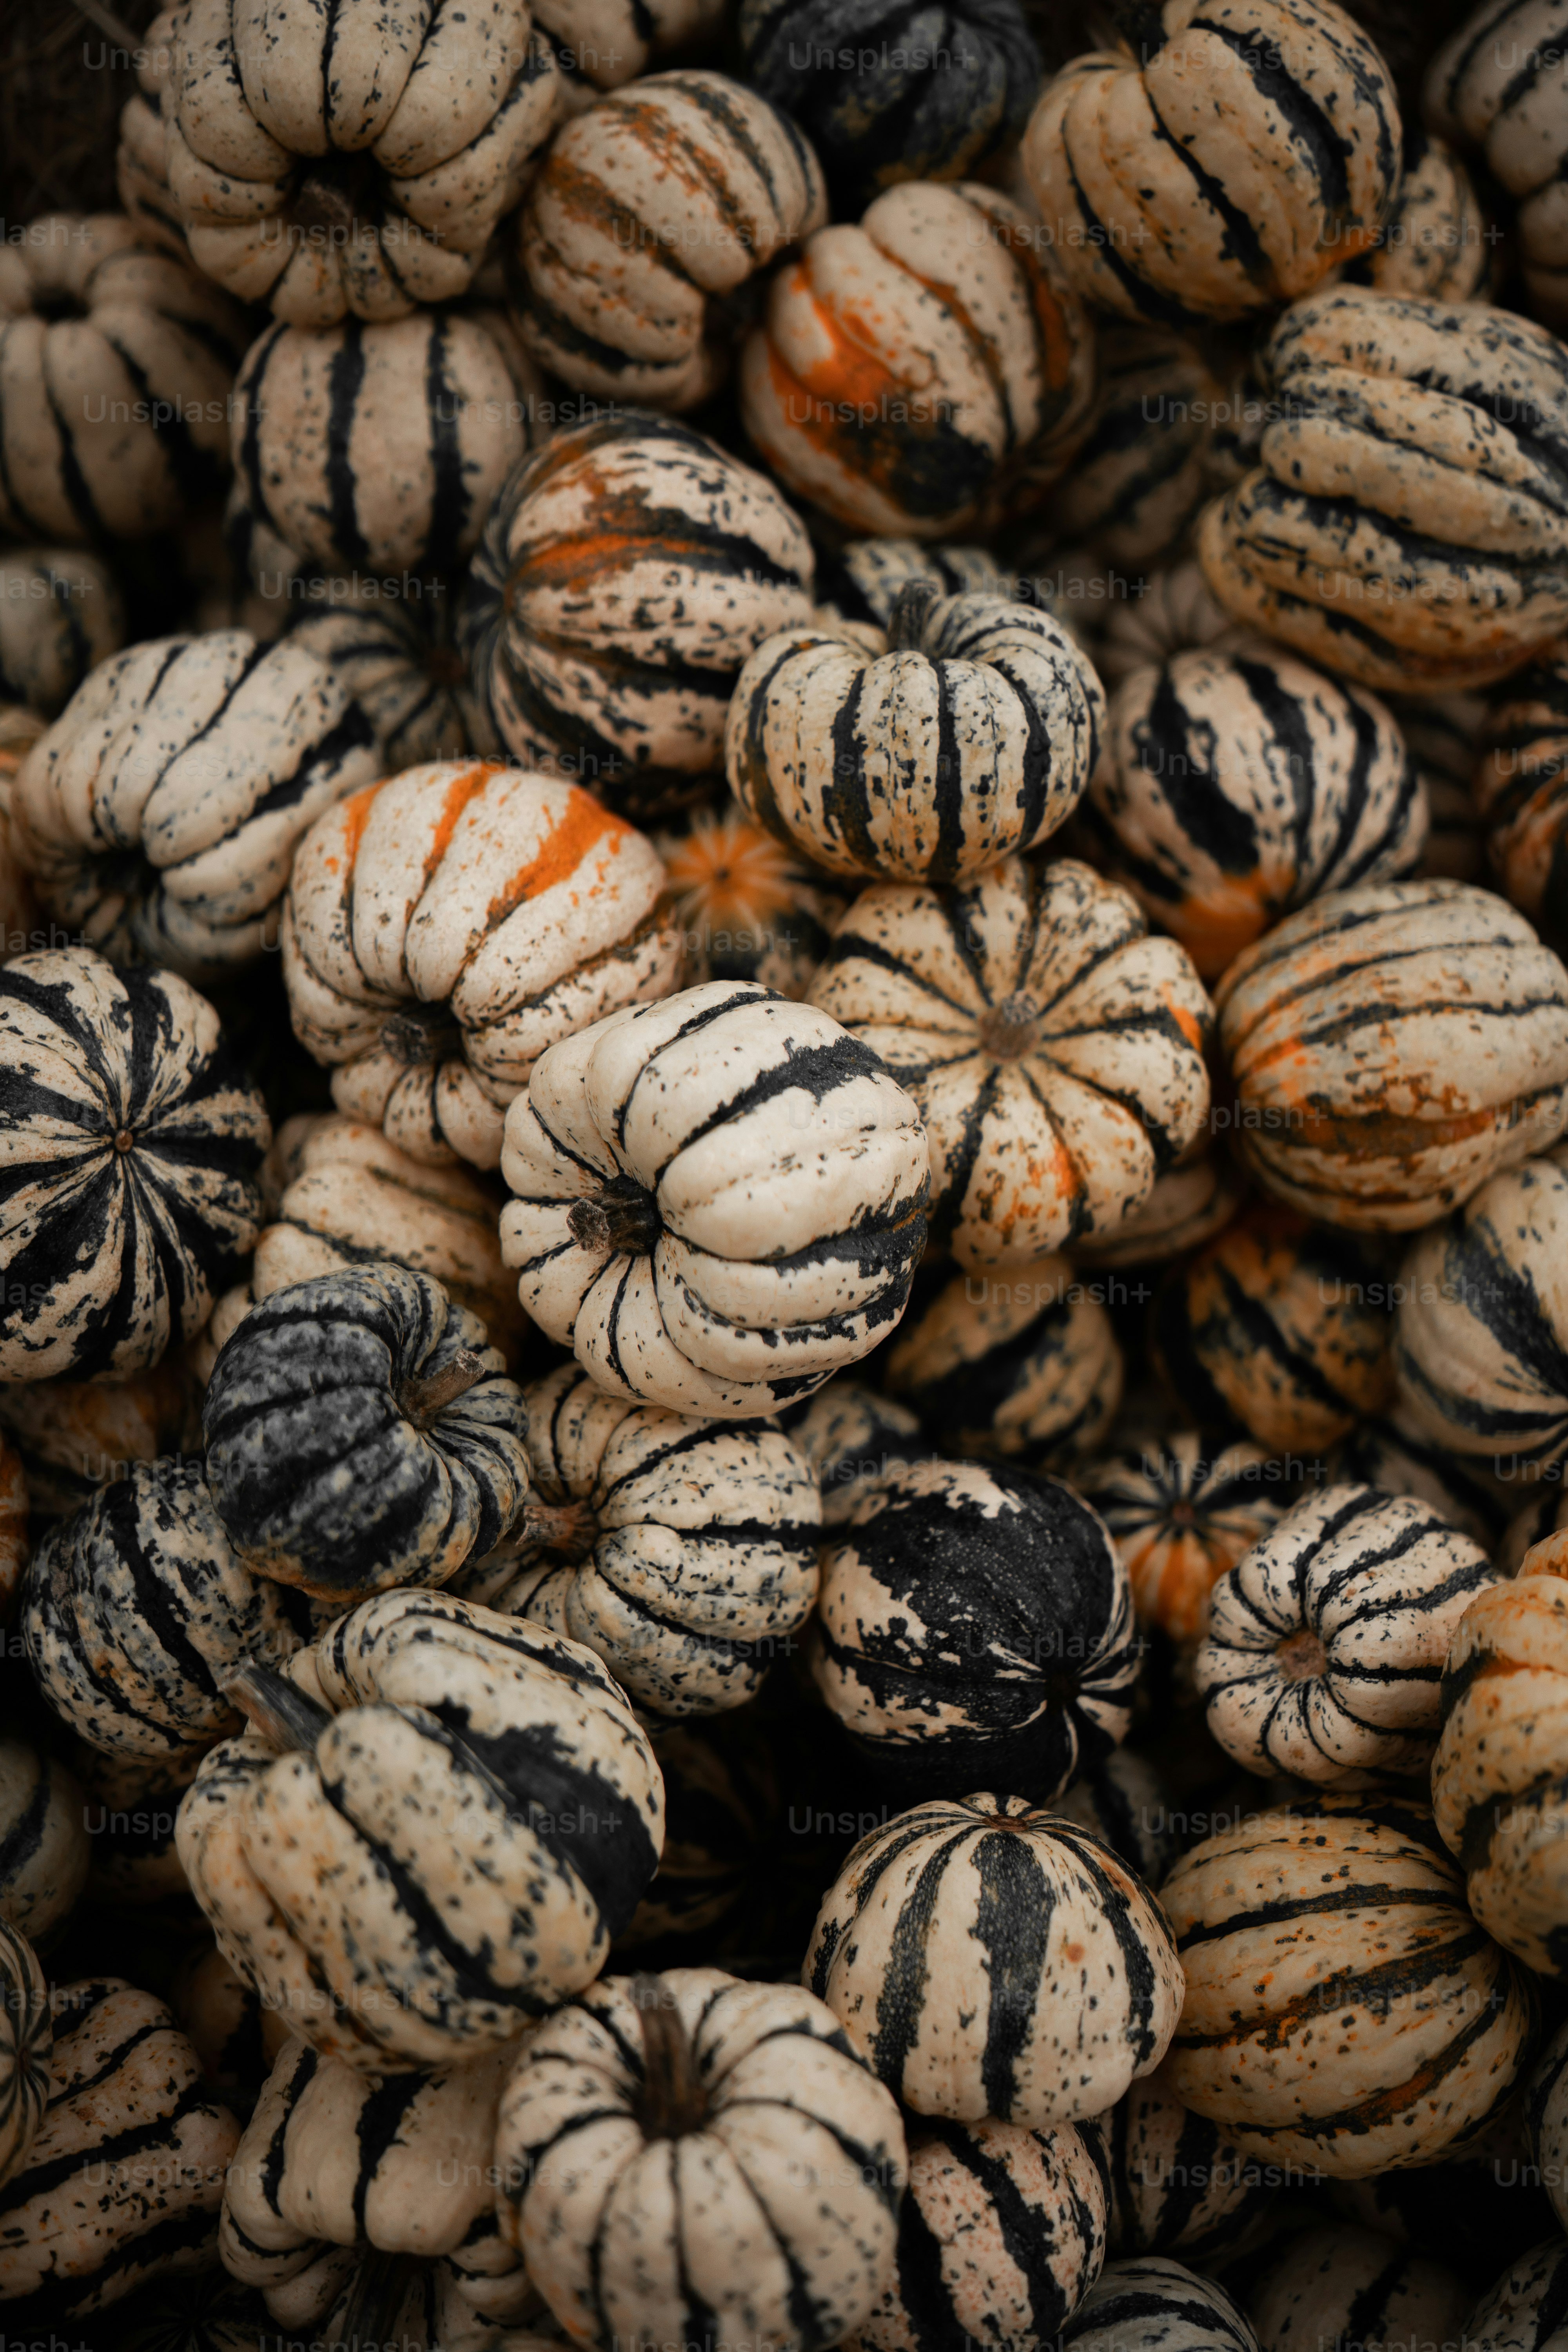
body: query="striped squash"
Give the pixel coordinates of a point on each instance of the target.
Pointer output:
(1444, 733)
(1180, 1519)
(1523, 2311)
(993, 1960)
(133, 1141)
(747, 907)
(131, 1804)
(331, 178)
(1407, 520)
(600, 44)
(1055, 1049)
(1174, 2185)
(1000, 2235)
(398, 660)
(71, 1437)
(1521, 789)
(1495, 86)
(1154, 2305)
(1500, 1778)
(1279, 1326)
(1392, 1047)
(445, 926)
(975, 1622)
(124, 2176)
(649, 211)
(1482, 1322)
(1337, 1924)
(116, 365)
(138, 1607)
(720, 1200)
(360, 1433)
(1186, 1207)
(1397, 1452)
(14, 1502)
(158, 815)
(862, 580)
(1477, 2211)
(681, 1552)
(1122, 1800)
(27, 2037)
(1173, 611)
(1338, 2282)
(852, 1437)
(973, 734)
(909, 371)
(1226, 168)
(1546, 2120)
(1139, 478)
(687, 2159)
(1021, 1367)
(60, 616)
(1241, 785)
(318, 414)
(1436, 239)
(492, 1810)
(1326, 1643)
(625, 573)
(142, 157)
(45, 1850)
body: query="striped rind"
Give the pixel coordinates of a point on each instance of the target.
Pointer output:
(1151, 2304)
(1175, 2184)
(1182, 1515)
(27, 2038)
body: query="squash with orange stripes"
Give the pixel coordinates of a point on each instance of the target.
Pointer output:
(445, 926)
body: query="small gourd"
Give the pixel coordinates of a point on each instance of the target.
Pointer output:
(1182, 1516)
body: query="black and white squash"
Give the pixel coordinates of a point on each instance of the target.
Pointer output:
(852, 1436)
(1436, 239)
(1142, 473)
(1397, 1453)
(1496, 86)
(142, 157)
(60, 616)
(1338, 2281)
(720, 1200)
(1055, 1050)
(1523, 2311)
(1177, 612)
(485, 1809)
(1187, 1206)
(399, 662)
(1122, 1799)
(27, 2037)
(862, 580)
(1152, 2304)
(975, 1622)
(132, 1138)
(1174, 2184)
(1182, 1516)
(973, 734)
(995, 1961)
(45, 1850)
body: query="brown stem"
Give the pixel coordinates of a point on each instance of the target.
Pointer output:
(418, 1039)
(570, 1530)
(272, 1706)
(124, 1140)
(623, 1217)
(672, 2100)
(906, 623)
(1302, 1657)
(421, 1399)
(374, 2304)
(1008, 1029)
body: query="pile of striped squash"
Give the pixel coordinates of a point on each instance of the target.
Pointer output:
(783, 1186)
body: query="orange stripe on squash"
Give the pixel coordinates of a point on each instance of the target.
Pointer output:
(581, 823)
(458, 794)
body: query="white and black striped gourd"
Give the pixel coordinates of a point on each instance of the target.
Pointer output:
(648, 210)
(1520, 770)
(995, 1961)
(116, 365)
(131, 1141)
(1523, 2311)
(1546, 2120)
(747, 907)
(1000, 2235)
(1176, 613)
(1143, 471)
(1241, 785)
(27, 2037)
(1496, 86)
(852, 1436)
(1054, 1048)
(720, 1200)
(681, 1552)
(1182, 1515)
(124, 2176)
(1395, 1452)
(1392, 1047)
(142, 157)
(444, 926)
(160, 813)
(1436, 239)
(138, 1607)
(973, 734)
(317, 413)
(1339, 2284)
(1326, 1643)
(399, 663)
(975, 1622)
(1021, 1366)
(360, 1433)
(1226, 167)
(1151, 2304)
(602, 44)
(45, 1850)
(1405, 523)
(485, 1805)
(1122, 1800)
(365, 178)
(60, 616)
(862, 580)
(1174, 2184)
(688, 2158)
(921, 371)
(1339, 1923)
(1186, 1207)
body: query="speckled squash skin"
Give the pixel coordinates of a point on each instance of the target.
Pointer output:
(99, 338)
(1123, 1801)
(1152, 2304)
(1055, 1049)
(124, 2176)
(399, 663)
(1521, 784)
(720, 1200)
(1186, 1207)
(1405, 523)
(747, 907)
(649, 208)
(1226, 168)
(1347, 1916)
(767, 2216)
(142, 157)
(1001, 2234)
(908, 368)
(1178, 612)
(503, 1768)
(1326, 1643)
(1174, 2185)
(852, 1437)
(60, 616)
(973, 734)
(328, 1467)
(1143, 471)
(160, 813)
(1182, 1516)
(45, 1850)
(625, 573)
(1436, 239)
(993, 1960)
(975, 1622)
(72, 1437)
(27, 2037)
(1522, 2311)
(602, 44)
(861, 580)
(1395, 1452)
(1495, 86)
(1329, 2281)
(508, 907)
(132, 1138)
(441, 113)
(1241, 785)
(1392, 1047)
